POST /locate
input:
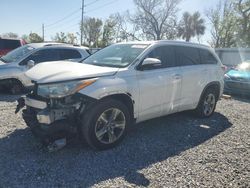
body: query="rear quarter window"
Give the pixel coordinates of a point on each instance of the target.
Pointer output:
(207, 57)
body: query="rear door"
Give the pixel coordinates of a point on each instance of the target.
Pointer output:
(160, 86)
(195, 75)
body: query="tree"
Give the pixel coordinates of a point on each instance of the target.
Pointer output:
(242, 8)
(91, 29)
(108, 33)
(71, 38)
(156, 18)
(34, 38)
(60, 37)
(10, 35)
(224, 24)
(191, 26)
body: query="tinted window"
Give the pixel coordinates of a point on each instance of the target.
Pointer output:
(9, 44)
(43, 56)
(187, 56)
(207, 57)
(164, 53)
(69, 54)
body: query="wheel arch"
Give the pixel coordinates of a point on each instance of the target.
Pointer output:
(125, 98)
(11, 80)
(213, 85)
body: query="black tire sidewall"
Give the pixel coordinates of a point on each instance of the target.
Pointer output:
(13, 89)
(200, 110)
(89, 121)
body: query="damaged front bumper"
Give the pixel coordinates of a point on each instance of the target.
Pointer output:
(52, 119)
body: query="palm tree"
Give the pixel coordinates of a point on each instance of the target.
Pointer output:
(191, 26)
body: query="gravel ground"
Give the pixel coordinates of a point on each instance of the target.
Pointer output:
(174, 151)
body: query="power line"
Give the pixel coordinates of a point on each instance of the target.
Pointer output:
(92, 10)
(64, 23)
(64, 18)
(89, 4)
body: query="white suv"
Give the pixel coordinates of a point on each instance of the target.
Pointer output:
(14, 64)
(119, 85)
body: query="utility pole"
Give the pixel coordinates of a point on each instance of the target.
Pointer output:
(43, 31)
(82, 22)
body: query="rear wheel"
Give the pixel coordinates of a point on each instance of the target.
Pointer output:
(207, 104)
(105, 125)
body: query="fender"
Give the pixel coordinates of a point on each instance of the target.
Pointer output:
(215, 83)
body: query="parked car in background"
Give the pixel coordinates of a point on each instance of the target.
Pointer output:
(118, 85)
(14, 64)
(237, 80)
(6, 45)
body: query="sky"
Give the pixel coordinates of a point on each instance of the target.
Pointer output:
(25, 16)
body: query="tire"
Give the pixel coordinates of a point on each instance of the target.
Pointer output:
(207, 104)
(16, 88)
(105, 124)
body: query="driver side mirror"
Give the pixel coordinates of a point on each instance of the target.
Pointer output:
(150, 63)
(30, 64)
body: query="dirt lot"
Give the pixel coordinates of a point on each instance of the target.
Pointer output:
(173, 151)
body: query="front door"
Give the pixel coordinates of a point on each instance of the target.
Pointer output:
(159, 86)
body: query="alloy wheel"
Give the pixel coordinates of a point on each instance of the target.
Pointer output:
(110, 126)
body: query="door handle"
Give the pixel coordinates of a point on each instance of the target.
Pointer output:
(177, 76)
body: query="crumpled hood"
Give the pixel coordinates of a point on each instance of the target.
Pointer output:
(65, 70)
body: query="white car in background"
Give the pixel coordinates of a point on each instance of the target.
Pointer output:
(14, 64)
(118, 85)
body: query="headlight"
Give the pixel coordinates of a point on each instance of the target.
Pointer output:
(59, 90)
(226, 77)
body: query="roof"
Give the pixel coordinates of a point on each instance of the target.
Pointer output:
(232, 49)
(54, 44)
(6, 38)
(167, 41)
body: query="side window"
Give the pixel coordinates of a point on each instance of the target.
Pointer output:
(164, 53)
(42, 56)
(69, 54)
(187, 56)
(207, 57)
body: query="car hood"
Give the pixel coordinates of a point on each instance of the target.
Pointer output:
(64, 70)
(239, 74)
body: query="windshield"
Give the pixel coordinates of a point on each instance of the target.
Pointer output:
(17, 54)
(245, 66)
(117, 55)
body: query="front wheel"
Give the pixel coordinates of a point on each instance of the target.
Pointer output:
(207, 104)
(105, 124)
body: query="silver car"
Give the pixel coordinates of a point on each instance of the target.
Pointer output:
(14, 64)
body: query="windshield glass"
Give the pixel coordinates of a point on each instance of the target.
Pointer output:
(117, 55)
(245, 66)
(17, 54)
